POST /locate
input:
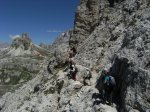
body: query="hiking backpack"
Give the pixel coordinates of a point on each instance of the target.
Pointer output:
(112, 80)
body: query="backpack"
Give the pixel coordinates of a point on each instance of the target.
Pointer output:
(106, 80)
(76, 69)
(112, 81)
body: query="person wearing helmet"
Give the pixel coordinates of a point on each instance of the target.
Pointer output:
(72, 70)
(109, 85)
(72, 52)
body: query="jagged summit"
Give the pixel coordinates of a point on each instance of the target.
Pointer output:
(23, 45)
(23, 42)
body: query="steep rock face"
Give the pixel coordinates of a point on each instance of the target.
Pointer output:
(61, 43)
(121, 43)
(62, 39)
(86, 19)
(135, 69)
(59, 49)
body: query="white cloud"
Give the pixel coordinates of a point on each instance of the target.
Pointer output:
(54, 31)
(14, 36)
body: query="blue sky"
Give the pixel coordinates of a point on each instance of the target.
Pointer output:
(42, 19)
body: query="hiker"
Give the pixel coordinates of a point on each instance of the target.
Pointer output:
(49, 68)
(72, 70)
(72, 52)
(109, 86)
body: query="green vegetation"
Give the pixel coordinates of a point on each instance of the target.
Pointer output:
(13, 80)
(6, 88)
(25, 75)
(10, 82)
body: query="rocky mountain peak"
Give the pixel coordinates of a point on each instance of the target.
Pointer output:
(23, 46)
(23, 42)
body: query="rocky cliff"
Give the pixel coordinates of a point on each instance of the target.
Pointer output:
(121, 43)
(116, 38)
(86, 19)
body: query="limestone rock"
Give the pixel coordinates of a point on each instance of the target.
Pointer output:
(122, 39)
(86, 19)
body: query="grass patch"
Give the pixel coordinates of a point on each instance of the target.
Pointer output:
(24, 75)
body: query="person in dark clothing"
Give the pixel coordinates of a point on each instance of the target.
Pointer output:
(72, 71)
(109, 87)
(106, 85)
(36, 88)
(72, 52)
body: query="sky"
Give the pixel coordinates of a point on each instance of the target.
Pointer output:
(44, 20)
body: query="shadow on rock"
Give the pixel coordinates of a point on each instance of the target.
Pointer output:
(98, 98)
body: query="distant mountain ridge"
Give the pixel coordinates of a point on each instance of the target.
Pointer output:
(23, 46)
(4, 44)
